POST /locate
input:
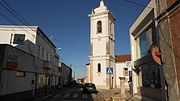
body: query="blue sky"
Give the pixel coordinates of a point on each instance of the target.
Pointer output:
(68, 22)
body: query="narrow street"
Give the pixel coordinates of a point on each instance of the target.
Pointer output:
(121, 50)
(72, 93)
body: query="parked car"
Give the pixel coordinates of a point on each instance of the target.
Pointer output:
(89, 88)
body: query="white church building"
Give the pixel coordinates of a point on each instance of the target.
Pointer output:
(101, 69)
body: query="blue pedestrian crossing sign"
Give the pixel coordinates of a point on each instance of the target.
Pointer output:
(109, 70)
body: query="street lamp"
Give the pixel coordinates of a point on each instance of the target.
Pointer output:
(59, 49)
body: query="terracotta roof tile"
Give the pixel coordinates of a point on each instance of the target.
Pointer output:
(123, 58)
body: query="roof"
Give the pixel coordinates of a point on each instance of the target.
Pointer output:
(46, 37)
(123, 58)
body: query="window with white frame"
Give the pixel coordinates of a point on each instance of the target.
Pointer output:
(99, 27)
(126, 71)
(99, 67)
(145, 41)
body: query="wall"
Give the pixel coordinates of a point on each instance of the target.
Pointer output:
(66, 74)
(120, 73)
(88, 73)
(168, 28)
(34, 38)
(102, 47)
(174, 18)
(49, 49)
(9, 76)
(30, 37)
(141, 24)
(35, 75)
(99, 77)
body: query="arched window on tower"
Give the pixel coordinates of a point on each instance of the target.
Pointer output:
(99, 27)
(99, 67)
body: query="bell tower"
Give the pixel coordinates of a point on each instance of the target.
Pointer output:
(102, 47)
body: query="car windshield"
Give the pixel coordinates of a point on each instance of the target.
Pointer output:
(89, 85)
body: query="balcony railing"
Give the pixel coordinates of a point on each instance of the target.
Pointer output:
(48, 65)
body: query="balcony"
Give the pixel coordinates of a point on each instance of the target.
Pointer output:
(48, 65)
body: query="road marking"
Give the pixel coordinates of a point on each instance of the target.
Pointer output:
(65, 96)
(45, 97)
(75, 95)
(84, 96)
(56, 96)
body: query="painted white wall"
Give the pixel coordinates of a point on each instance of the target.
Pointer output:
(31, 65)
(99, 78)
(88, 73)
(135, 54)
(102, 44)
(12, 84)
(30, 37)
(33, 39)
(120, 73)
(46, 46)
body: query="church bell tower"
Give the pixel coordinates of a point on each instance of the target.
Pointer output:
(102, 43)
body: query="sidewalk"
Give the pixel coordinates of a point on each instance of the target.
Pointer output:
(114, 95)
(111, 95)
(143, 95)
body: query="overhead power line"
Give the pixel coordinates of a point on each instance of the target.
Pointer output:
(139, 4)
(26, 23)
(15, 14)
(11, 21)
(4, 16)
(85, 52)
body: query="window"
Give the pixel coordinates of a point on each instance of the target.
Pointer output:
(20, 74)
(19, 39)
(51, 57)
(126, 71)
(99, 27)
(42, 53)
(99, 67)
(145, 42)
(38, 51)
(110, 28)
(47, 56)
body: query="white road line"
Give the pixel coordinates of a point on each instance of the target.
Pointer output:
(75, 95)
(84, 96)
(66, 95)
(56, 96)
(45, 97)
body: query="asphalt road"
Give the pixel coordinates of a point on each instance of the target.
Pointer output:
(72, 93)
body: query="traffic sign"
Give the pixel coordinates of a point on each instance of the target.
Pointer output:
(109, 70)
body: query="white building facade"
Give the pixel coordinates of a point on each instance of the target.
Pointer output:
(123, 69)
(147, 74)
(29, 58)
(34, 41)
(102, 47)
